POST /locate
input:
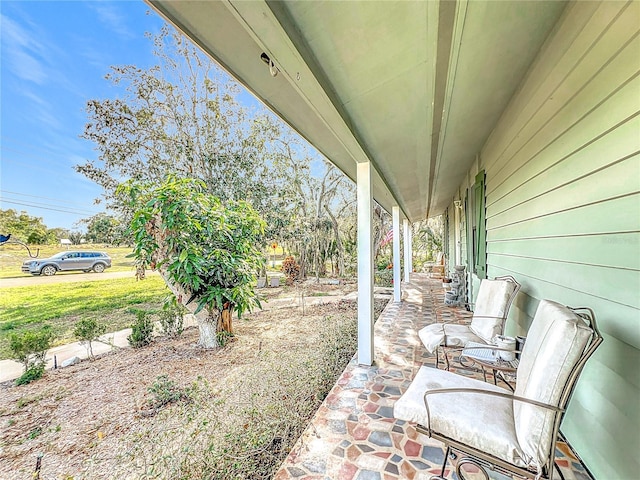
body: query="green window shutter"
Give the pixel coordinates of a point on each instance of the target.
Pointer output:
(471, 228)
(480, 254)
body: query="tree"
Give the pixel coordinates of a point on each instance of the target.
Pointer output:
(76, 237)
(30, 348)
(181, 117)
(320, 206)
(87, 331)
(103, 228)
(428, 235)
(25, 228)
(205, 251)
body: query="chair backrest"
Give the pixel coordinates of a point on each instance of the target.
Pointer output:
(559, 342)
(492, 306)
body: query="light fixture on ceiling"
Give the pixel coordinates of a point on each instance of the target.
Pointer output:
(273, 70)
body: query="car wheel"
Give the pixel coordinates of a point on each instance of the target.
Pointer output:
(98, 267)
(48, 270)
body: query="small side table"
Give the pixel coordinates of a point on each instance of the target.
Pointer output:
(486, 357)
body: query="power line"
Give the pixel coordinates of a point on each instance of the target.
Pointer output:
(48, 208)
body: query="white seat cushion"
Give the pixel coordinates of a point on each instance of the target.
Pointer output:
(447, 334)
(481, 421)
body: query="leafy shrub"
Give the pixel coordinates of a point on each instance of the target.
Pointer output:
(141, 330)
(165, 391)
(172, 317)
(34, 372)
(30, 347)
(87, 331)
(384, 278)
(291, 270)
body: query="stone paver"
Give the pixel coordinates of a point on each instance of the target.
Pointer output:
(354, 435)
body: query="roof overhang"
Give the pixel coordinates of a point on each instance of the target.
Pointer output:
(415, 87)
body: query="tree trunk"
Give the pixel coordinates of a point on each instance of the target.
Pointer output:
(339, 245)
(207, 327)
(207, 319)
(226, 318)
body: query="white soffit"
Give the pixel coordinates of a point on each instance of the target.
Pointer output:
(414, 87)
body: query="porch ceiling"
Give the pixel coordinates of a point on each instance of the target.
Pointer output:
(414, 87)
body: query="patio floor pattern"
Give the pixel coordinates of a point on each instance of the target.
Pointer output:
(353, 435)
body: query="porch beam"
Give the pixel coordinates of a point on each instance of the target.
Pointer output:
(408, 258)
(365, 263)
(395, 216)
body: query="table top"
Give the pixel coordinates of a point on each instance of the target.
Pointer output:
(487, 356)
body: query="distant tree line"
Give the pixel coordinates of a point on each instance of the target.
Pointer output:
(100, 228)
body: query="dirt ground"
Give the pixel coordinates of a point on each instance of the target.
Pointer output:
(77, 417)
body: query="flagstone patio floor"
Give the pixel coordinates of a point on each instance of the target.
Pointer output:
(354, 436)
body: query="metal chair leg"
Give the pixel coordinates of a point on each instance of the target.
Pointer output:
(446, 358)
(444, 466)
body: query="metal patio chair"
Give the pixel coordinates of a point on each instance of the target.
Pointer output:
(489, 316)
(489, 427)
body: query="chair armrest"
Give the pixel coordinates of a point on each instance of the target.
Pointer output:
(493, 393)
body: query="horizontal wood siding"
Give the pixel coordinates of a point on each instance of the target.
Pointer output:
(563, 212)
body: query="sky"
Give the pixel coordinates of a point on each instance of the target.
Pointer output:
(54, 56)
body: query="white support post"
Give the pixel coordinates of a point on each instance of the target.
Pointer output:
(395, 216)
(365, 264)
(410, 248)
(407, 250)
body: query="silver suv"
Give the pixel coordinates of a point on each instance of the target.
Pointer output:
(68, 261)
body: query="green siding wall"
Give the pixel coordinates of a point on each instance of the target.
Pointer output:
(563, 212)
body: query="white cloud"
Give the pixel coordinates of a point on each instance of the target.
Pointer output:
(113, 19)
(23, 52)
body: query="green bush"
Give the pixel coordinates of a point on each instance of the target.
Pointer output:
(88, 330)
(384, 278)
(30, 347)
(165, 391)
(142, 330)
(172, 317)
(34, 372)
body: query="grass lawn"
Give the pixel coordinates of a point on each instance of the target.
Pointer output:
(62, 305)
(12, 256)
